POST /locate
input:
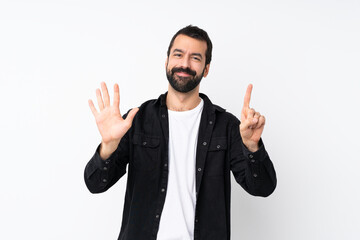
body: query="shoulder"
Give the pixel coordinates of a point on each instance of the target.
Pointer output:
(148, 109)
(145, 108)
(154, 103)
(149, 103)
(221, 113)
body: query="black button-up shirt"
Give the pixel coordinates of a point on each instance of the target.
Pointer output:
(144, 149)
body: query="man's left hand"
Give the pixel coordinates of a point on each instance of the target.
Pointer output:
(252, 123)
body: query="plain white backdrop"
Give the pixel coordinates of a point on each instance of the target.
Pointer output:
(303, 58)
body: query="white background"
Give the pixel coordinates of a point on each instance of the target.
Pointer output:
(303, 58)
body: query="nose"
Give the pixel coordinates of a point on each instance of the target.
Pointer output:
(185, 62)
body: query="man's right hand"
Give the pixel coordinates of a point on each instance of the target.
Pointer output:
(110, 123)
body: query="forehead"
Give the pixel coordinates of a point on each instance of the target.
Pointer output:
(188, 44)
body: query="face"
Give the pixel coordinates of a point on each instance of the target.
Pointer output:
(185, 66)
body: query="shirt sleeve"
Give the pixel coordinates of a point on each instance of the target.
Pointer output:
(254, 171)
(100, 175)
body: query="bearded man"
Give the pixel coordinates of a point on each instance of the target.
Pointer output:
(179, 150)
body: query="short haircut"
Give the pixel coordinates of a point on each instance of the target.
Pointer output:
(197, 33)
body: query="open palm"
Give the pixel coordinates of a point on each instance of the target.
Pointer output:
(110, 123)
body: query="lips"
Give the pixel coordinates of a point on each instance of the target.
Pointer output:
(183, 74)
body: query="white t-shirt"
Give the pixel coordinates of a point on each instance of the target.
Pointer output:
(177, 218)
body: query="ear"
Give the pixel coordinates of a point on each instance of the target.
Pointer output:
(207, 67)
(166, 61)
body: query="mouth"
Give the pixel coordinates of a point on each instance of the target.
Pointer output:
(182, 74)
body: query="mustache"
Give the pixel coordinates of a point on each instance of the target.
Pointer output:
(185, 70)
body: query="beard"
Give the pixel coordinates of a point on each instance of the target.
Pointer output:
(181, 83)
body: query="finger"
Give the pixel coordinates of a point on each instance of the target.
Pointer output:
(99, 99)
(261, 122)
(254, 123)
(247, 115)
(255, 120)
(105, 94)
(251, 120)
(129, 118)
(92, 107)
(248, 96)
(251, 113)
(257, 116)
(116, 96)
(247, 124)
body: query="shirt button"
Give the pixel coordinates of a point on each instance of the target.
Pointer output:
(163, 190)
(107, 162)
(105, 168)
(255, 175)
(218, 146)
(144, 143)
(210, 122)
(165, 165)
(252, 160)
(157, 216)
(251, 156)
(104, 180)
(199, 169)
(196, 220)
(163, 115)
(204, 143)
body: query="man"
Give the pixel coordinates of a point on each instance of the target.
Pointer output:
(179, 150)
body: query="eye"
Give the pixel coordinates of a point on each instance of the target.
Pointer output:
(177, 55)
(196, 58)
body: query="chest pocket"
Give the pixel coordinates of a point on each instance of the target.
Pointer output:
(216, 157)
(146, 152)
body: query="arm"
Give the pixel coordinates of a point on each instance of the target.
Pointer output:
(111, 157)
(254, 171)
(250, 163)
(100, 175)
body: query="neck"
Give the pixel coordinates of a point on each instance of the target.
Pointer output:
(178, 101)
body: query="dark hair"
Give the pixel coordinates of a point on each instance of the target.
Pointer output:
(197, 33)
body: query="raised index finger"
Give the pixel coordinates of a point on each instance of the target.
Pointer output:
(248, 96)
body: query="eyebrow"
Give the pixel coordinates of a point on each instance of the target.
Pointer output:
(193, 54)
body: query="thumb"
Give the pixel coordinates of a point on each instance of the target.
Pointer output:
(131, 115)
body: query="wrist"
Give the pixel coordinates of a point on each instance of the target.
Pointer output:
(107, 148)
(251, 146)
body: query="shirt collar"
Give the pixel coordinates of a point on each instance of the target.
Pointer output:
(208, 106)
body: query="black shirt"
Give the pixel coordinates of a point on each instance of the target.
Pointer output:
(144, 149)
